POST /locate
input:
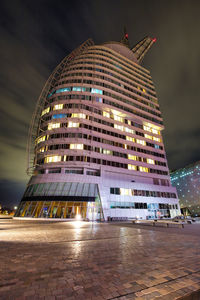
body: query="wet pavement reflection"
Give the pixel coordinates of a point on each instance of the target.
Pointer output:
(83, 260)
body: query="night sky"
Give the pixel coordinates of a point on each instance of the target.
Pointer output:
(37, 35)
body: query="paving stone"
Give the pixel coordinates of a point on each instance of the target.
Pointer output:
(76, 260)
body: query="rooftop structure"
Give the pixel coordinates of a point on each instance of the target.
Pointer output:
(187, 183)
(95, 147)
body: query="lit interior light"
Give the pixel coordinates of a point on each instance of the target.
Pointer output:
(78, 217)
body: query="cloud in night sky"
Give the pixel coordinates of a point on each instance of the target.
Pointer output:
(37, 35)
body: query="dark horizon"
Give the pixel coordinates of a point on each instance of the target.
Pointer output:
(37, 36)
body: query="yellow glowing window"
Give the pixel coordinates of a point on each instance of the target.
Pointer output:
(141, 142)
(118, 127)
(132, 167)
(146, 128)
(131, 139)
(53, 125)
(42, 149)
(129, 122)
(155, 131)
(76, 146)
(105, 151)
(72, 124)
(125, 192)
(58, 106)
(148, 136)
(118, 118)
(143, 169)
(79, 115)
(50, 159)
(156, 139)
(45, 111)
(144, 90)
(125, 146)
(150, 161)
(106, 114)
(41, 139)
(133, 157)
(129, 130)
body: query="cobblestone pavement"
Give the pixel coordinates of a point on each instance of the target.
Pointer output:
(80, 260)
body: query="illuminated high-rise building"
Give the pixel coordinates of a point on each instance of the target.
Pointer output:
(95, 148)
(187, 182)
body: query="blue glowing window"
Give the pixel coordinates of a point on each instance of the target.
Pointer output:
(156, 146)
(63, 90)
(59, 116)
(51, 94)
(98, 99)
(96, 91)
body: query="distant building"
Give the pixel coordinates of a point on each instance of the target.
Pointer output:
(187, 183)
(95, 144)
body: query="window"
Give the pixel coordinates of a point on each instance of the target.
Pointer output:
(73, 171)
(132, 167)
(58, 106)
(118, 118)
(115, 191)
(133, 157)
(72, 124)
(76, 146)
(53, 125)
(118, 127)
(78, 115)
(129, 130)
(150, 161)
(96, 91)
(50, 159)
(131, 139)
(106, 114)
(143, 169)
(63, 90)
(141, 142)
(51, 171)
(125, 192)
(40, 139)
(45, 111)
(59, 116)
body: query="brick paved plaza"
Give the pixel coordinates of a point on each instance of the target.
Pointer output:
(80, 260)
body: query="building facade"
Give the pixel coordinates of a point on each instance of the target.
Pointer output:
(95, 147)
(187, 183)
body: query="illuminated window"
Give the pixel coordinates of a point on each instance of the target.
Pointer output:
(41, 139)
(148, 136)
(96, 91)
(146, 128)
(143, 169)
(50, 159)
(155, 131)
(156, 139)
(42, 149)
(58, 106)
(150, 161)
(76, 146)
(78, 89)
(125, 192)
(118, 127)
(132, 167)
(141, 142)
(45, 111)
(53, 125)
(129, 122)
(78, 115)
(59, 116)
(133, 157)
(106, 114)
(129, 130)
(105, 151)
(118, 118)
(63, 90)
(72, 124)
(131, 139)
